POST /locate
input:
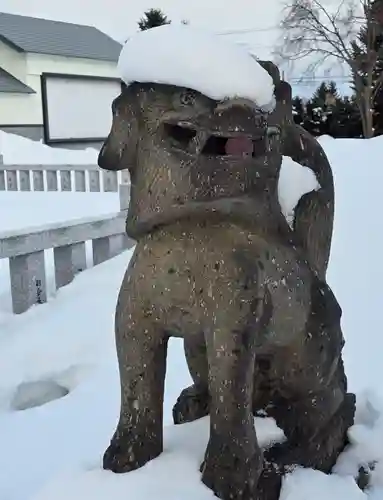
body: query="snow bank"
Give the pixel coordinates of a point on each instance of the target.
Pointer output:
(18, 150)
(26, 209)
(188, 57)
(355, 270)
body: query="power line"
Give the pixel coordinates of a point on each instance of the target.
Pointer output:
(248, 30)
(319, 78)
(293, 79)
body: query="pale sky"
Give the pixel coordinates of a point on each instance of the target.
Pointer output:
(119, 17)
(255, 20)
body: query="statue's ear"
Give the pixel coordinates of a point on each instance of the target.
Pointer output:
(282, 90)
(272, 69)
(283, 93)
(119, 151)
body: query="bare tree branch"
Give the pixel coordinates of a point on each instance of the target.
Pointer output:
(311, 30)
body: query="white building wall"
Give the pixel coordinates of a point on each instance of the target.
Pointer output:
(12, 61)
(41, 63)
(20, 109)
(26, 109)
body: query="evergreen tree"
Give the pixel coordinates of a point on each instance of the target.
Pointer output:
(318, 99)
(318, 113)
(152, 18)
(312, 122)
(323, 110)
(328, 113)
(346, 119)
(332, 89)
(298, 110)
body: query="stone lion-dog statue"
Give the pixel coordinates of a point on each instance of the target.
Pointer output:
(217, 264)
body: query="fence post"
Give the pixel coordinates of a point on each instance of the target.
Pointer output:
(25, 180)
(79, 257)
(38, 180)
(28, 281)
(2, 174)
(11, 180)
(69, 260)
(52, 183)
(124, 190)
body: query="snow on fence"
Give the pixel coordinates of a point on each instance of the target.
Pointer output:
(25, 251)
(59, 178)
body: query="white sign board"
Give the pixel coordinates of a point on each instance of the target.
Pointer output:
(78, 108)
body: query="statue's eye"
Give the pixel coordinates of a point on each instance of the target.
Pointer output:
(180, 135)
(187, 98)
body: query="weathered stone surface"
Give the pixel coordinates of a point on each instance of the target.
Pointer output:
(217, 264)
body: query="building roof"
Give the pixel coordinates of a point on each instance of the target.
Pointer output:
(9, 83)
(42, 36)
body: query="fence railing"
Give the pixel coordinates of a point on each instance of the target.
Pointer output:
(81, 178)
(25, 251)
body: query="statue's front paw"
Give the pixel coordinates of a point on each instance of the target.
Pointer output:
(130, 451)
(193, 403)
(232, 473)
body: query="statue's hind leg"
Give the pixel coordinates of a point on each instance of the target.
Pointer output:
(318, 410)
(194, 401)
(316, 430)
(315, 427)
(313, 406)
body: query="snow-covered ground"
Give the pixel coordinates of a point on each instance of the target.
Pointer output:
(17, 150)
(53, 452)
(22, 209)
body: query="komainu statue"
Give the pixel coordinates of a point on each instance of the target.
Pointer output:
(217, 264)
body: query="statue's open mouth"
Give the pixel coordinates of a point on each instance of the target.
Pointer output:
(231, 144)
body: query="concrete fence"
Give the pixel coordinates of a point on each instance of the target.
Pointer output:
(80, 178)
(25, 251)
